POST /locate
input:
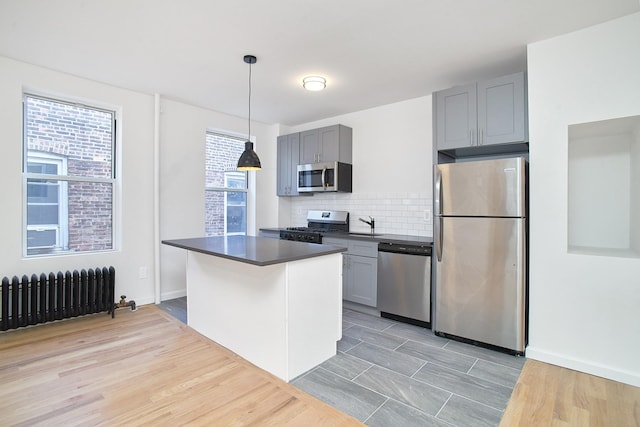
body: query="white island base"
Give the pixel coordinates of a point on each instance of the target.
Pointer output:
(285, 318)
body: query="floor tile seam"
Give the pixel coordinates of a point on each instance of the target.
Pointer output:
(479, 403)
(398, 346)
(427, 360)
(387, 349)
(441, 347)
(376, 410)
(472, 366)
(491, 381)
(443, 405)
(482, 358)
(368, 325)
(474, 376)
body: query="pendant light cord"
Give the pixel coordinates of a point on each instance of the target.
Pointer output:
(249, 135)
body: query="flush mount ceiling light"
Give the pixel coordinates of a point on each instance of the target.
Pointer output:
(249, 160)
(314, 83)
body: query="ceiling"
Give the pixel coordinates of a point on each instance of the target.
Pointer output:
(372, 52)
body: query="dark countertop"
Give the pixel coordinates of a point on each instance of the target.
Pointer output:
(254, 250)
(380, 238)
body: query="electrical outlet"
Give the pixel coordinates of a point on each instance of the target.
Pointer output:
(427, 215)
(142, 273)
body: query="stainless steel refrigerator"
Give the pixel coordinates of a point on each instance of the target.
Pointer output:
(480, 252)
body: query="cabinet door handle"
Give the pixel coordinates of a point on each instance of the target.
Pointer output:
(470, 137)
(481, 136)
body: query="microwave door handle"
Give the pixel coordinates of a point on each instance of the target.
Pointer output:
(324, 182)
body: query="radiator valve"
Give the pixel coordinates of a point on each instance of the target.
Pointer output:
(124, 303)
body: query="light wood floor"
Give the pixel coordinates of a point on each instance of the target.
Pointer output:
(147, 368)
(141, 368)
(548, 395)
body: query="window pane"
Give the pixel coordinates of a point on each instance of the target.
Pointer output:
(222, 154)
(42, 214)
(214, 213)
(90, 216)
(82, 135)
(236, 220)
(41, 191)
(42, 239)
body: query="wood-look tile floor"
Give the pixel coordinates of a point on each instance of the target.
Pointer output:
(143, 368)
(391, 373)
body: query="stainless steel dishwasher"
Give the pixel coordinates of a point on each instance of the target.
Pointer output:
(404, 282)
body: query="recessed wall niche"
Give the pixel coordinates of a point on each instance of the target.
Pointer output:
(604, 188)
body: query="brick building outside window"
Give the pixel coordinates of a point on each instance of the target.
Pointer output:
(68, 177)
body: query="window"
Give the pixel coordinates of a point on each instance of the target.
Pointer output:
(68, 177)
(226, 187)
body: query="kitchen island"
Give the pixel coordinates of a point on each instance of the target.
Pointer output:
(276, 303)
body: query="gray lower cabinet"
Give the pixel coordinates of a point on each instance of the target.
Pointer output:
(288, 157)
(485, 113)
(359, 270)
(327, 144)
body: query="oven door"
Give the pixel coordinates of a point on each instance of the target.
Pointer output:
(317, 177)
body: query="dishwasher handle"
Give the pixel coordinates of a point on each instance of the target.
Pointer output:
(399, 248)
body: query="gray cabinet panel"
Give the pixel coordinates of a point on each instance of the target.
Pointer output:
(361, 286)
(456, 117)
(501, 110)
(327, 144)
(288, 157)
(359, 270)
(486, 113)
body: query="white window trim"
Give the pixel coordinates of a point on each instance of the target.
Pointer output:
(114, 180)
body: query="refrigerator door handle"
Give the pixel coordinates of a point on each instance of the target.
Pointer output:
(438, 210)
(438, 233)
(438, 190)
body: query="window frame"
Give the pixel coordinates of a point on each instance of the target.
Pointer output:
(249, 189)
(113, 180)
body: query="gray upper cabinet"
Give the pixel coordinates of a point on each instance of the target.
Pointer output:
(288, 157)
(456, 117)
(485, 113)
(327, 144)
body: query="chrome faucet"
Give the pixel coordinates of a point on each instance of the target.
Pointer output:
(371, 222)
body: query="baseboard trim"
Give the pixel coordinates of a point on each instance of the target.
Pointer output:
(173, 294)
(626, 377)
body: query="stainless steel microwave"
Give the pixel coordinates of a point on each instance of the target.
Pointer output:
(324, 177)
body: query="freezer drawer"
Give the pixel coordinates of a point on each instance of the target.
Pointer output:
(480, 280)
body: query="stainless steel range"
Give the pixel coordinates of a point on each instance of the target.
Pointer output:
(319, 223)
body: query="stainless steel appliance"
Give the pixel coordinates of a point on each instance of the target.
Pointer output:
(404, 282)
(318, 224)
(480, 244)
(324, 177)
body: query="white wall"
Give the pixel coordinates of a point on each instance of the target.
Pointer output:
(584, 309)
(182, 147)
(392, 170)
(182, 180)
(135, 123)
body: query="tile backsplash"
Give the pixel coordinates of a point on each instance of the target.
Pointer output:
(394, 213)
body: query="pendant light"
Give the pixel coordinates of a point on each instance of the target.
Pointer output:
(249, 160)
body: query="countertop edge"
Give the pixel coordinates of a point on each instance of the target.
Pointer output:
(327, 250)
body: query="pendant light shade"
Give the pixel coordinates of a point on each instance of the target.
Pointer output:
(249, 160)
